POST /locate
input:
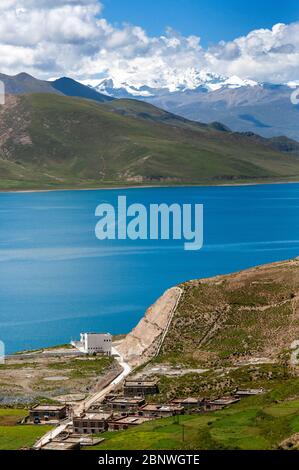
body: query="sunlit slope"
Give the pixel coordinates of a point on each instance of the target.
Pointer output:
(48, 140)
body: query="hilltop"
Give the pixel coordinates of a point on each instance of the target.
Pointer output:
(223, 332)
(52, 141)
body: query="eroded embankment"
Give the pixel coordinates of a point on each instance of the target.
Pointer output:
(145, 339)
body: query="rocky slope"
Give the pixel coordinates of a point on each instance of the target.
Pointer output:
(145, 340)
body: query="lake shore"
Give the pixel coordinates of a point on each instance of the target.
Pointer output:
(52, 261)
(158, 186)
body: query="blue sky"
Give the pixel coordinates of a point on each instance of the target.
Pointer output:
(127, 41)
(212, 20)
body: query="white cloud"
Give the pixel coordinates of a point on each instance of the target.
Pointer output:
(70, 37)
(264, 54)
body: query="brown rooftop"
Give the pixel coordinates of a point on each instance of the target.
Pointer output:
(225, 401)
(130, 420)
(48, 407)
(134, 383)
(94, 416)
(186, 400)
(168, 407)
(127, 400)
(61, 446)
(250, 391)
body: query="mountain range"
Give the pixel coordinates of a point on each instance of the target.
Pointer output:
(242, 105)
(23, 83)
(65, 134)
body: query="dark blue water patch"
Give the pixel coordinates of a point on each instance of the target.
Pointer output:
(57, 279)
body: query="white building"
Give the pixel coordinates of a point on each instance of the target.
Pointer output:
(94, 343)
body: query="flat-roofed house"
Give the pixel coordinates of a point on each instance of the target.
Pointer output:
(94, 343)
(55, 445)
(121, 424)
(249, 392)
(41, 413)
(125, 403)
(91, 423)
(160, 411)
(189, 402)
(220, 403)
(134, 388)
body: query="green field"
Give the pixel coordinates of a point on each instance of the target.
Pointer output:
(14, 436)
(255, 423)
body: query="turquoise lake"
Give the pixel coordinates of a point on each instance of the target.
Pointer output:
(57, 279)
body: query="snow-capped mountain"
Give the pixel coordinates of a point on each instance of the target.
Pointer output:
(191, 80)
(242, 105)
(124, 90)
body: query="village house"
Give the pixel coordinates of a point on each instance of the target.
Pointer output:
(220, 403)
(188, 403)
(91, 423)
(133, 388)
(94, 343)
(125, 403)
(160, 411)
(249, 392)
(123, 423)
(60, 445)
(41, 413)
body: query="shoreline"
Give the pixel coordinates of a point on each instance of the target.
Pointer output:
(112, 188)
(148, 311)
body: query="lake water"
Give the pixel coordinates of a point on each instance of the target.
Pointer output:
(57, 279)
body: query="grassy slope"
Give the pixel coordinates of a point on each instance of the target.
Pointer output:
(55, 141)
(249, 314)
(14, 436)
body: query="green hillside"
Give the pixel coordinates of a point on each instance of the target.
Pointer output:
(237, 317)
(238, 330)
(52, 141)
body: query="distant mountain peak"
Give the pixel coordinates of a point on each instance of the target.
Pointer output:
(23, 83)
(240, 104)
(172, 82)
(70, 87)
(24, 75)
